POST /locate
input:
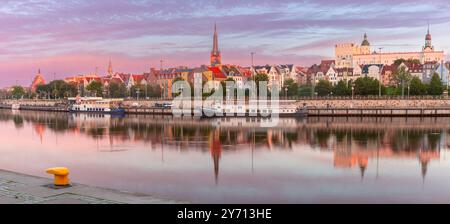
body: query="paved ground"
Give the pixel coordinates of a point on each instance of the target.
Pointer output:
(23, 189)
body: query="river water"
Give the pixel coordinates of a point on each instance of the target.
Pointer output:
(235, 160)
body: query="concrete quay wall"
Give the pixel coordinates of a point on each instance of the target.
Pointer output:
(375, 103)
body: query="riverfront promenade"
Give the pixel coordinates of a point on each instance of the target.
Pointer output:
(23, 189)
(313, 106)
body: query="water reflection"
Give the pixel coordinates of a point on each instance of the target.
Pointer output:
(352, 142)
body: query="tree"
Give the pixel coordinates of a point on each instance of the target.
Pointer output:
(341, 89)
(260, 78)
(96, 88)
(435, 87)
(177, 86)
(137, 90)
(68, 90)
(225, 89)
(154, 90)
(324, 88)
(291, 86)
(305, 90)
(401, 60)
(368, 86)
(43, 91)
(57, 89)
(401, 78)
(417, 87)
(117, 90)
(18, 92)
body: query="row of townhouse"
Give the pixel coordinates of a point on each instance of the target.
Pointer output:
(277, 74)
(164, 78)
(327, 70)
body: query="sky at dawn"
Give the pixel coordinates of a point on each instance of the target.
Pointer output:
(74, 37)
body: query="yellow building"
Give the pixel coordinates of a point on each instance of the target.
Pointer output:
(348, 55)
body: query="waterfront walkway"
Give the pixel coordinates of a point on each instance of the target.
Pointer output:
(23, 189)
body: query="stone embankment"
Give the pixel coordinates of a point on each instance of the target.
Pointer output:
(18, 188)
(315, 107)
(375, 103)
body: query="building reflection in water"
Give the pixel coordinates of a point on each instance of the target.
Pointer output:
(354, 142)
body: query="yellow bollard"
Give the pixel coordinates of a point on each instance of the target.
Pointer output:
(61, 175)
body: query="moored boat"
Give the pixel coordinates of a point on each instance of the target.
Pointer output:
(15, 106)
(250, 110)
(96, 105)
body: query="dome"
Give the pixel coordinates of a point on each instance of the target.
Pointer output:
(365, 41)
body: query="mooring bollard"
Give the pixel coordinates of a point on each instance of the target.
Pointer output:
(61, 175)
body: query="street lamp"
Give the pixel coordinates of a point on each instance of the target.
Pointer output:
(313, 92)
(286, 91)
(379, 85)
(138, 91)
(353, 91)
(379, 74)
(146, 90)
(409, 85)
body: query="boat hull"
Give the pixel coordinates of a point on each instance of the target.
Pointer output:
(114, 111)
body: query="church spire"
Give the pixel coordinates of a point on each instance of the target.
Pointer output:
(428, 39)
(215, 42)
(216, 58)
(110, 68)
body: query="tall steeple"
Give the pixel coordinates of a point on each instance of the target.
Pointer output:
(428, 39)
(216, 58)
(110, 68)
(215, 50)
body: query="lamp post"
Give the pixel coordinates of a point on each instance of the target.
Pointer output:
(252, 54)
(138, 91)
(285, 92)
(379, 74)
(146, 90)
(409, 85)
(379, 85)
(403, 88)
(353, 91)
(313, 92)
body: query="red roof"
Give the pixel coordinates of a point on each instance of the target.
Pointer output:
(390, 68)
(217, 73)
(137, 78)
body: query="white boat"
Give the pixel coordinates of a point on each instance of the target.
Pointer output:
(15, 106)
(96, 105)
(242, 109)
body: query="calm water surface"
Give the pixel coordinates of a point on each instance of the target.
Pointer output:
(313, 160)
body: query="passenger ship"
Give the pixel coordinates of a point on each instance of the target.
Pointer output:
(15, 106)
(96, 105)
(285, 109)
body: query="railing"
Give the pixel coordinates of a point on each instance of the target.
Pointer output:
(389, 112)
(364, 98)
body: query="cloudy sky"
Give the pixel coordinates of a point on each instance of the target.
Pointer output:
(75, 36)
